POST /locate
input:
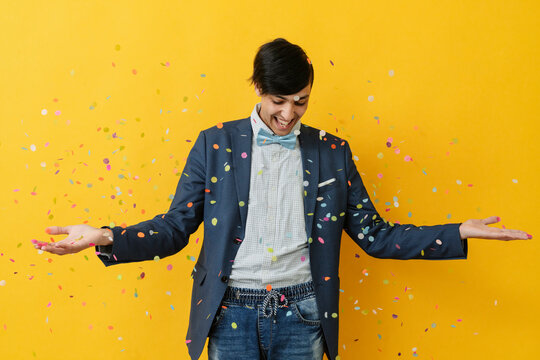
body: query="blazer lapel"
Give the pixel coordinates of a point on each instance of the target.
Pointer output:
(241, 140)
(310, 163)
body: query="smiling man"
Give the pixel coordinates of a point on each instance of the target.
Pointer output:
(279, 112)
(275, 196)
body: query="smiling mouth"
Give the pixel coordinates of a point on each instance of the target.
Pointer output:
(282, 124)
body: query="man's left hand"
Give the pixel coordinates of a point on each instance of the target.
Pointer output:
(477, 228)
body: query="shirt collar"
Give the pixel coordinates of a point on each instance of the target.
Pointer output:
(257, 123)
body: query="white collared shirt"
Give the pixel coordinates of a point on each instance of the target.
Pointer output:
(274, 250)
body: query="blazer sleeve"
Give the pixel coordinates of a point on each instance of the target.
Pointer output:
(383, 239)
(165, 234)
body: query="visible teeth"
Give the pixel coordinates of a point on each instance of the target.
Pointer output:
(282, 123)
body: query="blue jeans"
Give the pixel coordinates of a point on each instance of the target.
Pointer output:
(256, 324)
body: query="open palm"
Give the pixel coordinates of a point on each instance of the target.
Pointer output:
(477, 228)
(79, 237)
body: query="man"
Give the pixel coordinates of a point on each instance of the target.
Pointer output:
(274, 196)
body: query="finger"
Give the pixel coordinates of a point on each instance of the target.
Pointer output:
(509, 234)
(55, 249)
(56, 230)
(513, 234)
(491, 220)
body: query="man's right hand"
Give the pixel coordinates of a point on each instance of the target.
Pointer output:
(79, 237)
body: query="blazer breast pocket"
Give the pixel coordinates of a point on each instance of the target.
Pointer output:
(326, 186)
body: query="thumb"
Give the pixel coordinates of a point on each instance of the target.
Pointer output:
(491, 220)
(56, 230)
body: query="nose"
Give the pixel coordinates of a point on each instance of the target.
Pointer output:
(288, 112)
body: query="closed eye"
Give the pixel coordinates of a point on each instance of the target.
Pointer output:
(281, 102)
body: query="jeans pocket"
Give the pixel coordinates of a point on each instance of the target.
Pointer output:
(306, 311)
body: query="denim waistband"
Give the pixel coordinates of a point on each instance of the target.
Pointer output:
(274, 298)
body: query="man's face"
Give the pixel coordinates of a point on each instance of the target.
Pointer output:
(281, 112)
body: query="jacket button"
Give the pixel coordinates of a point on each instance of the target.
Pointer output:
(237, 241)
(225, 278)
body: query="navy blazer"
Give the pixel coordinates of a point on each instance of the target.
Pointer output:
(214, 188)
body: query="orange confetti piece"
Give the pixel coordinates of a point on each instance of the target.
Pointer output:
(140, 234)
(216, 146)
(219, 125)
(268, 287)
(189, 204)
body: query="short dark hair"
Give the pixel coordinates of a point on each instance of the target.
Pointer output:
(281, 68)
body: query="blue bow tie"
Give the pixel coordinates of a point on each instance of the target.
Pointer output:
(265, 138)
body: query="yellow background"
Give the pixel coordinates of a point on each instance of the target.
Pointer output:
(455, 84)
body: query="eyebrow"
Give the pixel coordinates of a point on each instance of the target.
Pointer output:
(282, 97)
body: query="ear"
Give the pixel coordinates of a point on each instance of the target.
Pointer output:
(257, 90)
